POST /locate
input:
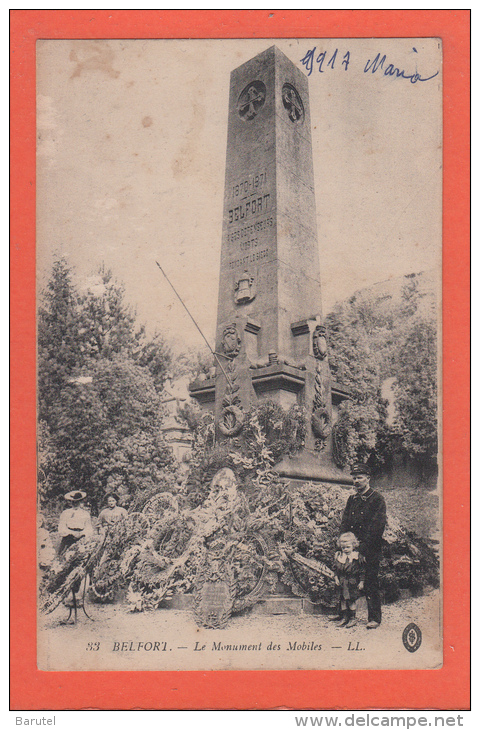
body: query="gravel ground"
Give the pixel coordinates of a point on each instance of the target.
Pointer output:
(170, 639)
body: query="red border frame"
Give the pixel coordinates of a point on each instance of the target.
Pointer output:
(446, 688)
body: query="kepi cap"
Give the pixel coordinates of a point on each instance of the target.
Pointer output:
(359, 468)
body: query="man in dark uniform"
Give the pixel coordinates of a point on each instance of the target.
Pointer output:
(366, 516)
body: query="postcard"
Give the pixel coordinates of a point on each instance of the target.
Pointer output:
(225, 552)
(241, 387)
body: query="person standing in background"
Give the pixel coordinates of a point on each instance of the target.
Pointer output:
(75, 521)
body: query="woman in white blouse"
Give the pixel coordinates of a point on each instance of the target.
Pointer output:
(75, 521)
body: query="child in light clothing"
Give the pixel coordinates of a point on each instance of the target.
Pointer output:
(349, 567)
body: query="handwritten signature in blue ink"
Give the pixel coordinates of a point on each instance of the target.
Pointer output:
(391, 70)
(379, 63)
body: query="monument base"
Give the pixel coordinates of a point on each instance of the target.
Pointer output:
(276, 605)
(281, 606)
(308, 466)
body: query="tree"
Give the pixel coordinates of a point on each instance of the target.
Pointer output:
(59, 346)
(195, 362)
(416, 391)
(108, 328)
(373, 338)
(100, 382)
(355, 362)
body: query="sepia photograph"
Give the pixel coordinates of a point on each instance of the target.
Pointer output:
(239, 338)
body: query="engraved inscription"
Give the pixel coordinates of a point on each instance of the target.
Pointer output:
(249, 186)
(256, 206)
(249, 259)
(247, 245)
(241, 233)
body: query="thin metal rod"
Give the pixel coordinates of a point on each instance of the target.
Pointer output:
(196, 325)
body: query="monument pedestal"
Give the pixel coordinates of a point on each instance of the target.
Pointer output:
(308, 466)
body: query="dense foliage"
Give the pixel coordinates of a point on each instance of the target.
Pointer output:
(373, 340)
(269, 432)
(259, 529)
(99, 392)
(416, 390)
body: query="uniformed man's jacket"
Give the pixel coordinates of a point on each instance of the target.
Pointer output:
(366, 516)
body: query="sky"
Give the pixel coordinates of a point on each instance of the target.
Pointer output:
(131, 164)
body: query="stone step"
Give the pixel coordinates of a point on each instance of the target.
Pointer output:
(275, 605)
(269, 606)
(180, 602)
(281, 605)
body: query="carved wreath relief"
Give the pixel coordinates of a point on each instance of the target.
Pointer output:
(292, 103)
(232, 416)
(321, 420)
(251, 100)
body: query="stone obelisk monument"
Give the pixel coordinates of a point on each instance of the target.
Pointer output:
(270, 340)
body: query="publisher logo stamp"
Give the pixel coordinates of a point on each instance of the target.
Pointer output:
(412, 637)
